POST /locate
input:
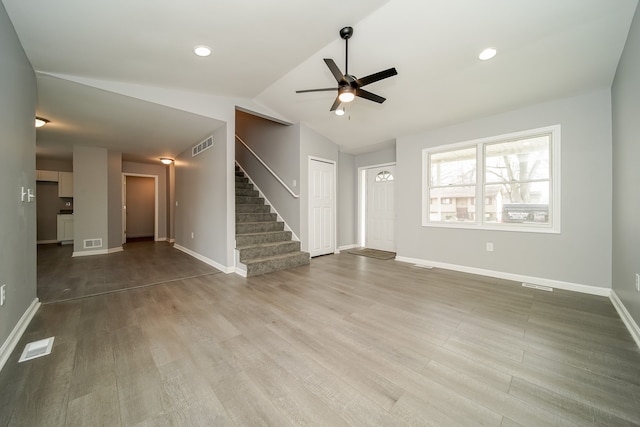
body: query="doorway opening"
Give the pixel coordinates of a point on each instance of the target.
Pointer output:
(139, 207)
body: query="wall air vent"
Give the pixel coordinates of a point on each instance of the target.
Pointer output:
(207, 143)
(92, 243)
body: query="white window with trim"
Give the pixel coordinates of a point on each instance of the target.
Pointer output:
(516, 175)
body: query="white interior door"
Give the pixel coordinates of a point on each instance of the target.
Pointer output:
(321, 207)
(380, 217)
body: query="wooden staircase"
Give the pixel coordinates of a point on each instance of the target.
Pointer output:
(262, 243)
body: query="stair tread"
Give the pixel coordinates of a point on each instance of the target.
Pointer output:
(267, 244)
(262, 232)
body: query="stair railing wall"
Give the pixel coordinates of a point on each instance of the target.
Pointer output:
(282, 199)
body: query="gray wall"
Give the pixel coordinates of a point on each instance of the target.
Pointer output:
(379, 157)
(315, 145)
(626, 173)
(90, 195)
(17, 169)
(347, 199)
(278, 146)
(114, 199)
(201, 194)
(580, 254)
(62, 165)
(160, 171)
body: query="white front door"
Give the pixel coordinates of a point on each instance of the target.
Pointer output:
(321, 207)
(380, 218)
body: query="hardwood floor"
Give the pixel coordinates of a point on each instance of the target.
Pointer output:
(143, 262)
(347, 340)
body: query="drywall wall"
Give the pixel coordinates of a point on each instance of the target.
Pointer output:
(90, 195)
(201, 202)
(580, 254)
(378, 157)
(626, 173)
(48, 206)
(347, 200)
(114, 200)
(17, 170)
(278, 146)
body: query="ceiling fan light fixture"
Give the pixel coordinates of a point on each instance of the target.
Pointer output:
(166, 160)
(202, 50)
(487, 54)
(340, 112)
(346, 94)
(41, 122)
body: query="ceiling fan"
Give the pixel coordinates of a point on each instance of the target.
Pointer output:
(350, 86)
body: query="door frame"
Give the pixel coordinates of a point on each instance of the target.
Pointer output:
(362, 201)
(124, 204)
(333, 163)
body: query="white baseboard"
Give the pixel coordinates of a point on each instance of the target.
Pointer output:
(46, 242)
(171, 240)
(14, 337)
(592, 290)
(90, 253)
(631, 324)
(116, 249)
(206, 260)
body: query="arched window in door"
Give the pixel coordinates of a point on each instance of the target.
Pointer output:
(384, 176)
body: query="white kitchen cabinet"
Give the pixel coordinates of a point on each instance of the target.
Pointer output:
(50, 176)
(65, 184)
(65, 228)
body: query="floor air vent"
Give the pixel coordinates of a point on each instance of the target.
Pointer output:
(36, 349)
(207, 143)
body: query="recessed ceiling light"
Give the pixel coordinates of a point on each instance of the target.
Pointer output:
(202, 51)
(487, 54)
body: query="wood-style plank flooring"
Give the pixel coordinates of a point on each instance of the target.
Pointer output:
(143, 262)
(347, 340)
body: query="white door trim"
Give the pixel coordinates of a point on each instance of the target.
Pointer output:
(335, 196)
(155, 204)
(362, 200)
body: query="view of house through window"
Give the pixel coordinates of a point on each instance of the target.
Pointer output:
(512, 174)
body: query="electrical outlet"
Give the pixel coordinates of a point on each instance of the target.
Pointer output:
(489, 247)
(637, 282)
(192, 234)
(3, 294)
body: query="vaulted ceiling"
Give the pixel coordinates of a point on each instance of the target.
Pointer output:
(264, 51)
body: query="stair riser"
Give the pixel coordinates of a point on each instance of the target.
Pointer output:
(247, 208)
(246, 192)
(244, 200)
(255, 217)
(259, 227)
(262, 267)
(260, 251)
(242, 179)
(244, 185)
(252, 239)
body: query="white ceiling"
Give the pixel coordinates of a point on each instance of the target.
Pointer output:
(265, 50)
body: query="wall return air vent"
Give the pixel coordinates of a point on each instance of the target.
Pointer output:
(204, 145)
(92, 243)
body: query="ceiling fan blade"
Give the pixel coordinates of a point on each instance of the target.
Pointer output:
(335, 105)
(334, 70)
(317, 90)
(370, 96)
(376, 77)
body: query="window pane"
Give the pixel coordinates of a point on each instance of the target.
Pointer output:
(507, 209)
(453, 167)
(521, 160)
(452, 204)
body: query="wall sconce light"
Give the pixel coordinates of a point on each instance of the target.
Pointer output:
(166, 160)
(41, 122)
